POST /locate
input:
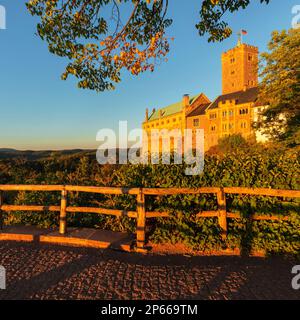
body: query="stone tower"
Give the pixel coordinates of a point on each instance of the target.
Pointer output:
(239, 68)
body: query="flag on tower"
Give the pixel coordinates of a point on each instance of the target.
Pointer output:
(244, 32)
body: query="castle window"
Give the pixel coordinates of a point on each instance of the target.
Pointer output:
(196, 122)
(168, 121)
(230, 126)
(243, 111)
(231, 112)
(249, 57)
(224, 114)
(213, 116)
(224, 127)
(174, 119)
(213, 128)
(244, 125)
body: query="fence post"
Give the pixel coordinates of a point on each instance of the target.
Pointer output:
(63, 213)
(222, 217)
(1, 212)
(141, 222)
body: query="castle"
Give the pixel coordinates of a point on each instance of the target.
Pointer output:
(233, 112)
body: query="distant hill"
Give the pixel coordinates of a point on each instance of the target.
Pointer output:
(7, 150)
(30, 155)
(7, 153)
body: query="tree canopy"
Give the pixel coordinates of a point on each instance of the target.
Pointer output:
(280, 88)
(102, 37)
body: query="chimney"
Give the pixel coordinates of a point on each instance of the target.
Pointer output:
(186, 101)
(153, 110)
(147, 115)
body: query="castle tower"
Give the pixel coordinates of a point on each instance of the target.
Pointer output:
(239, 68)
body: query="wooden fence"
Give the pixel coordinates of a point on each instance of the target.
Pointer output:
(141, 214)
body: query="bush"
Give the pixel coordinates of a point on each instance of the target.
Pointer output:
(243, 168)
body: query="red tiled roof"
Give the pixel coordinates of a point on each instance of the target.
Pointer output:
(200, 110)
(240, 97)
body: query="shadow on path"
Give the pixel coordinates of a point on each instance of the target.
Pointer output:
(59, 272)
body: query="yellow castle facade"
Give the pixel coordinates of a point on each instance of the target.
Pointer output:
(233, 112)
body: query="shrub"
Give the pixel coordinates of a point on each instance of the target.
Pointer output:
(243, 168)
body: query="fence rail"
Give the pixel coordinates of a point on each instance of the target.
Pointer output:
(141, 214)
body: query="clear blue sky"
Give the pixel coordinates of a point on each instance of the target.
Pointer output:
(39, 111)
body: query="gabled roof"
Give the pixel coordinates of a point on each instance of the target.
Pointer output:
(171, 109)
(240, 97)
(200, 110)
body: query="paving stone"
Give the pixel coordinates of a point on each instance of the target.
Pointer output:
(45, 271)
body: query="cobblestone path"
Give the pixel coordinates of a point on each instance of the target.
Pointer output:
(37, 271)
